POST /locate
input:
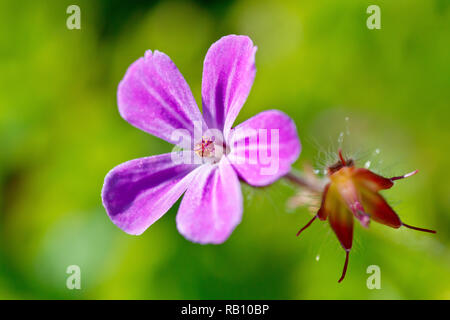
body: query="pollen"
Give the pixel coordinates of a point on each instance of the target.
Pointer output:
(205, 148)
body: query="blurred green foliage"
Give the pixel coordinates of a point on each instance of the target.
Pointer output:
(60, 133)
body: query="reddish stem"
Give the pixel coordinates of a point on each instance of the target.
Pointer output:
(344, 163)
(345, 266)
(405, 175)
(419, 229)
(307, 225)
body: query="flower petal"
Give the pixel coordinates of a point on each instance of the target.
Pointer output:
(342, 225)
(323, 213)
(379, 210)
(138, 192)
(370, 180)
(264, 147)
(212, 206)
(340, 217)
(154, 97)
(228, 74)
(349, 193)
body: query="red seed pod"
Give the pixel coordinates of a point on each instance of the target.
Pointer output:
(354, 193)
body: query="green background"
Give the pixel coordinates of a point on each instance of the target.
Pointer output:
(60, 133)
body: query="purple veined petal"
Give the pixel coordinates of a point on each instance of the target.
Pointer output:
(228, 74)
(154, 97)
(138, 192)
(212, 205)
(263, 148)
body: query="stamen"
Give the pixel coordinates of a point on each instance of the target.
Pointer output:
(404, 176)
(345, 266)
(419, 229)
(307, 225)
(342, 158)
(358, 211)
(205, 148)
(364, 219)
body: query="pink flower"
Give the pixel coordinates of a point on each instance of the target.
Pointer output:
(154, 97)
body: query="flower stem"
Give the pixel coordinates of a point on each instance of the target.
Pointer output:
(302, 182)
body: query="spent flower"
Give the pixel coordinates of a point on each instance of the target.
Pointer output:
(353, 193)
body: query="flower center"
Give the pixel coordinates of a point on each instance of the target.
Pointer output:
(205, 148)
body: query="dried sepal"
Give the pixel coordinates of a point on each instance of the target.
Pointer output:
(354, 193)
